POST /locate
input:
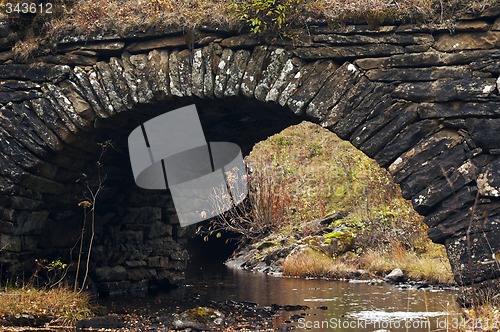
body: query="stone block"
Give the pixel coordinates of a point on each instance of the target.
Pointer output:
(108, 273)
(446, 90)
(32, 222)
(488, 181)
(138, 274)
(159, 229)
(168, 42)
(10, 243)
(6, 227)
(467, 41)
(135, 264)
(113, 288)
(484, 132)
(158, 262)
(144, 215)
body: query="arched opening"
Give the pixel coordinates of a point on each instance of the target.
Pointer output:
(54, 136)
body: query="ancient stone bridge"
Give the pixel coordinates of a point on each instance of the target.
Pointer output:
(423, 102)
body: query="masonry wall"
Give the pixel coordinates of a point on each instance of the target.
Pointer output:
(423, 101)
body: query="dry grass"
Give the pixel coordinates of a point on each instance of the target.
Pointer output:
(59, 305)
(431, 267)
(485, 318)
(122, 16)
(309, 263)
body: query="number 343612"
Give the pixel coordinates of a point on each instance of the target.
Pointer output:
(28, 8)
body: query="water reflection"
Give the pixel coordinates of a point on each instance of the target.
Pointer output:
(338, 306)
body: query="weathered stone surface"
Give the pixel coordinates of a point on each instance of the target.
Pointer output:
(160, 43)
(295, 82)
(131, 79)
(424, 151)
(427, 112)
(69, 59)
(184, 60)
(198, 73)
(237, 70)
(289, 70)
(64, 108)
(484, 132)
(457, 110)
(120, 83)
(42, 127)
(223, 72)
(348, 52)
(107, 273)
(374, 144)
(467, 41)
(472, 26)
(277, 60)
(446, 90)
(395, 276)
(431, 58)
(418, 74)
(145, 215)
(103, 71)
(352, 29)
(488, 182)
(320, 73)
(36, 73)
(254, 69)
(239, 41)
(13, 85)
(402, 39)
(158, 69)
(482, 244)
(209, 77)
(485, 67)
(374, 99)
(144, 88)
(332, 91)
(377, 120)
(80, 77)
(349, 100)
(173, 65)
(406, 139)
(429, 170)
(438, 190)
(103, 48)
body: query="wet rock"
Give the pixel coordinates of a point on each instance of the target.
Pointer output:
(198, 319)
(107, 322)
(395, 276)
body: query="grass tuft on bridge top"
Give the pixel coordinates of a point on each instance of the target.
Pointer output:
(82, 17)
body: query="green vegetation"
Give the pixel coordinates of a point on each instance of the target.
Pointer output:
(92, 17)
(264, 15)
(307, 173)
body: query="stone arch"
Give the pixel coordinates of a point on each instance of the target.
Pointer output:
(406, 100)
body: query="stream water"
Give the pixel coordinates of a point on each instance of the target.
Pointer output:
(333, 305)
